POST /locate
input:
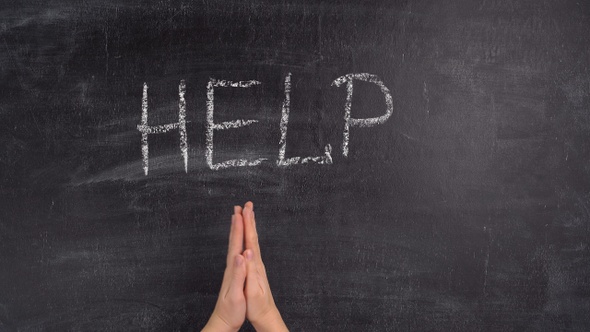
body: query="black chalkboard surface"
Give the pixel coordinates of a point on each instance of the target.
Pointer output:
(415, 165)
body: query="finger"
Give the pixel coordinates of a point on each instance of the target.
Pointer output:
(237, 209)
(260, 263)
(255, 243)
(236, 238)
(231, 233)
(238, 278)
(253, 277)
(251, 235)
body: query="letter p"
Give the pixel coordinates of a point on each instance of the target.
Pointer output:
(368, 122)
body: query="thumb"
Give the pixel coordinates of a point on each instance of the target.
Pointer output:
(236, 288)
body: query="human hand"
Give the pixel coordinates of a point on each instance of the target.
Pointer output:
(261, 310)
(230, 311)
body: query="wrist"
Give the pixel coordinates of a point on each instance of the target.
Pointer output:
(270, 322)
(216, 324)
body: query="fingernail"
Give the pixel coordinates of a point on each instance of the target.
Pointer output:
(239, 260)
(248, 254)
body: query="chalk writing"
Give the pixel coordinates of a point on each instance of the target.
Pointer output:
(368, 122)
(146, 130)
(326, 159)
(211, 126)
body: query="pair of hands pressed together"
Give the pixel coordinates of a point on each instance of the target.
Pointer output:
(245, 292)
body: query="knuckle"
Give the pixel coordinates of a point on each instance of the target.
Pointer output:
(258, 295)
(254, 238)
(233, 301)
(253, 293)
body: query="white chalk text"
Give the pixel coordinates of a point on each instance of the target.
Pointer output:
(282, 160)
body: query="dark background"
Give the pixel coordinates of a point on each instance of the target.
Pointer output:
(469, 209)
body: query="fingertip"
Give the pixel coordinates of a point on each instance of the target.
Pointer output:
(238, 218)
(248, 211)
(237, 209)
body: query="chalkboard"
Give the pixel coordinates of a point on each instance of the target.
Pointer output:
(414, 165)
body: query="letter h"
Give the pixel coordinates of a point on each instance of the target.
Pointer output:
(146, 130)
